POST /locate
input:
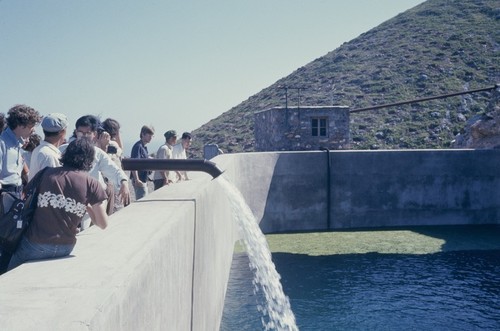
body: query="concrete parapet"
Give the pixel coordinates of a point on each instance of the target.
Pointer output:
(163, 263)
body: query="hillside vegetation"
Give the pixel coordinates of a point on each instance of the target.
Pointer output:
(438, 47)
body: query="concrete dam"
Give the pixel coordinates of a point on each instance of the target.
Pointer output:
(164, 261)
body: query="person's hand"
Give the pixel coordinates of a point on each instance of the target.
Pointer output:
(103, 141)
(125, 193)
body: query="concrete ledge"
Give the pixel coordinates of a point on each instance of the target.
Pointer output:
(163, 263)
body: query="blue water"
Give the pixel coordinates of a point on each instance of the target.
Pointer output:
(442, 291)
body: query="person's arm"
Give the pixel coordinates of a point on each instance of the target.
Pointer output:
(124, 192)
(135, 175)
(25, 173)
(103, 141)
(97, 213)
(115, 174)
(118, 139)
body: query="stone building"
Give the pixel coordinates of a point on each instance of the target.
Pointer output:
(302, 129)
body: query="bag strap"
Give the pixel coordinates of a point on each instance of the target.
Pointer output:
(34, 183)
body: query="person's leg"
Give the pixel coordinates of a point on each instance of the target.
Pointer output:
(140, 191)
(27, 251)
(158, 183)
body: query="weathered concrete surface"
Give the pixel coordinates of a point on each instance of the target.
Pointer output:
(162, 264)
(288, 191)
(419, 187)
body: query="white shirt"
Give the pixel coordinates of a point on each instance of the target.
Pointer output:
(179, 152)
(164, 152)
(44, 155)
(104, 166)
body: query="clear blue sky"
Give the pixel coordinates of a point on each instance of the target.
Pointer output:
(172, 64)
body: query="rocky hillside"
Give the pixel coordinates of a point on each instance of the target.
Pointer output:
(438, 47)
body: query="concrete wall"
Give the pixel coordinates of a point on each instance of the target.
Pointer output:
(369, 188)
(422, 187)
(164, 262)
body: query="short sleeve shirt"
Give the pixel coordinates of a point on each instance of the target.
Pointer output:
(11, 158)
(44, 155)
(164, 152)
(140, 151)
(64, 194)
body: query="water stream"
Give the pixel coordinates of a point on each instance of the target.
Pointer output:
(276, 311)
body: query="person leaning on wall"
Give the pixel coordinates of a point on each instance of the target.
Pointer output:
(65, 194)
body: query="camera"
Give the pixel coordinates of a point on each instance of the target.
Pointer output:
(112, 150)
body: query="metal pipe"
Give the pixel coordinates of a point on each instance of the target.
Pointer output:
(424, 99)
(167, 164)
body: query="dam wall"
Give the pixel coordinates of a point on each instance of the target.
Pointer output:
(311, 191)
(163, 263)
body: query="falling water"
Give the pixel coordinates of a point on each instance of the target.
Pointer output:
(276, 312)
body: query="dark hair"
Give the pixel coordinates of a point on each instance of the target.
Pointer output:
(111, 126)
(89, 121)
(22, 115)
(79, 154)
(51, 134)
(3, 121)
(146, 129)
(186, 135)
(32, 143)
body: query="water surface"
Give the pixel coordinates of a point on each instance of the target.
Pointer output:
(447, 290)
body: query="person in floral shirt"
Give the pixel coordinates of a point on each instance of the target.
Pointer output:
(65, 194)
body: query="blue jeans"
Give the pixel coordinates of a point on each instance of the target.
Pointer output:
(140, 191)
(27, 251)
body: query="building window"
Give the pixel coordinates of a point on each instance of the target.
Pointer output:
(319, 127)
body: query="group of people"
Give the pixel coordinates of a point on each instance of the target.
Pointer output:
(82, 183)
(171, 149)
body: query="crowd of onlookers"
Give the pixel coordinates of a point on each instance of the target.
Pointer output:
(82, 180)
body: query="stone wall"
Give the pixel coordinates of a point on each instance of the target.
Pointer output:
(281, 129)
